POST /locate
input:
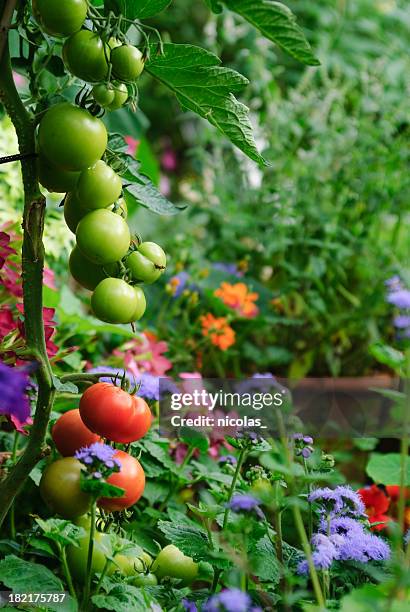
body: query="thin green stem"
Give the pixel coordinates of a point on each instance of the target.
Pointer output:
(67, 573)
(87, 586)
(103, 574)
(241, 459)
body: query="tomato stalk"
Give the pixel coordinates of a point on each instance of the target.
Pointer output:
(87, 587)
(32, 269)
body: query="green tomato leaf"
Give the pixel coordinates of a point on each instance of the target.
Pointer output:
(264, 562)
(136, 9)
(194, 438)
(215, 6)
(388, 355)
(125, 597)
(385, 469)
(99, 488)
(204, 87)
(64, 387)
(277, 22)
(191, 540)
(25, 577)
(61, 531)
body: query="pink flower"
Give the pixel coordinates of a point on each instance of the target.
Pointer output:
(7, 323)
(169, 160)
(49, 328)
(5, 248)
(145, 354)
(19, 80)
(132, 145)
(49, 278)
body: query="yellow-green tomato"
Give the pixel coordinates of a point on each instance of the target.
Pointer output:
(114, 301)
(128, 566)
(60, 18)
(172, 562)
(71, 138)
(141, 305)
(147, 263)
(84, 271)
(103, 236)
(77, 556)
(60, 488)
(85, 56)
(127, 62)
(98, 186)
(54, 178)
(143, 580)
(120, 97)
(74, 211)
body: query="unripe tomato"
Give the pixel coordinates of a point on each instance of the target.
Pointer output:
(70, 434)
(85, 272)
(60, 18)
(114, 301)
(60, 488)
(103, 94)
(141, 305)
(144, 580)
(147, 263)
(98, 186)
(120, 97)
(74, 211)
(172, 562)
(115, 414)
(131, 478)
(128, 566)
(77, 556)
(71, 138)
(55, 179)
(103, 237)
(127, 62)
(85, 56)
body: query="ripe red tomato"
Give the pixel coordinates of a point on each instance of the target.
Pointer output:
(70, 434)
(131, 478)
(114, 413)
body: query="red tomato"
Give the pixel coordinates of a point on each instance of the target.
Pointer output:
(70, 434)
(131, 478)
(114, 413)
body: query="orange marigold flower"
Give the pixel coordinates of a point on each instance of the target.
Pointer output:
(239, 298)
(219, 331)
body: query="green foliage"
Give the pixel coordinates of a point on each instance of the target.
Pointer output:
(386, 468)
(123, 598)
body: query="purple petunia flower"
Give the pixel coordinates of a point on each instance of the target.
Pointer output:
(400, 298)
(13, 393)
(230, 600)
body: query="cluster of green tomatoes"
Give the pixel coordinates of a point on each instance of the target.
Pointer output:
(71, 143)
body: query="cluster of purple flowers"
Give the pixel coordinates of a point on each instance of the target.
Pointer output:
(148, 383)
(14, 383)
(399, 296)
(245, 503)
(342, 535)
(227, 460)
(303, 445)
(229, 600)
(99, 460)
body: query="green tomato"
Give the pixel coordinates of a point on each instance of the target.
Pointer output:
(60, 488)
(120, 97)
(85, 272)
(128, 566)
(114, 301)
(144, 580)
(77, 556)
(71, 138)
(60, 18)
(141, 305)
(74, 211)
(172, 562)
(85, 56)
(147, 263)
(98, 186)
(127, 62)
(103, 94)
(103, 236)
(55, 179)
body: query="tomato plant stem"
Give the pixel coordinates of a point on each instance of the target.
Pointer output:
(87, 586)
(32, 271)
(67, 573)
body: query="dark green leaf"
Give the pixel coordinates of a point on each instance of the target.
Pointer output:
(25, 577)
(388, 355)
(99, 488)
(61, 531)
(142, 9)
(194, 438)
(277, 22)
(191, 540)
(123, 598)
(264, 562)
(204, 87)
(215, 6)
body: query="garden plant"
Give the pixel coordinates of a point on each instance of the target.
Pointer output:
(165, 221)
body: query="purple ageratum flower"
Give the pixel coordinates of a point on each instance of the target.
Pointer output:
(341, 525)
(402, 321)
(228, 268)
(13, 393)
(394, 283)
(363, 547)
(245, 503)
(400, 298)
(338, 501)
(230, 600)
(98, 458)
(230, 459)
(323, 555)
(189, 606)
(149, 386)
(180, 280)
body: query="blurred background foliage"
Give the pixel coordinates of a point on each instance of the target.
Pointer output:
(315, 234)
